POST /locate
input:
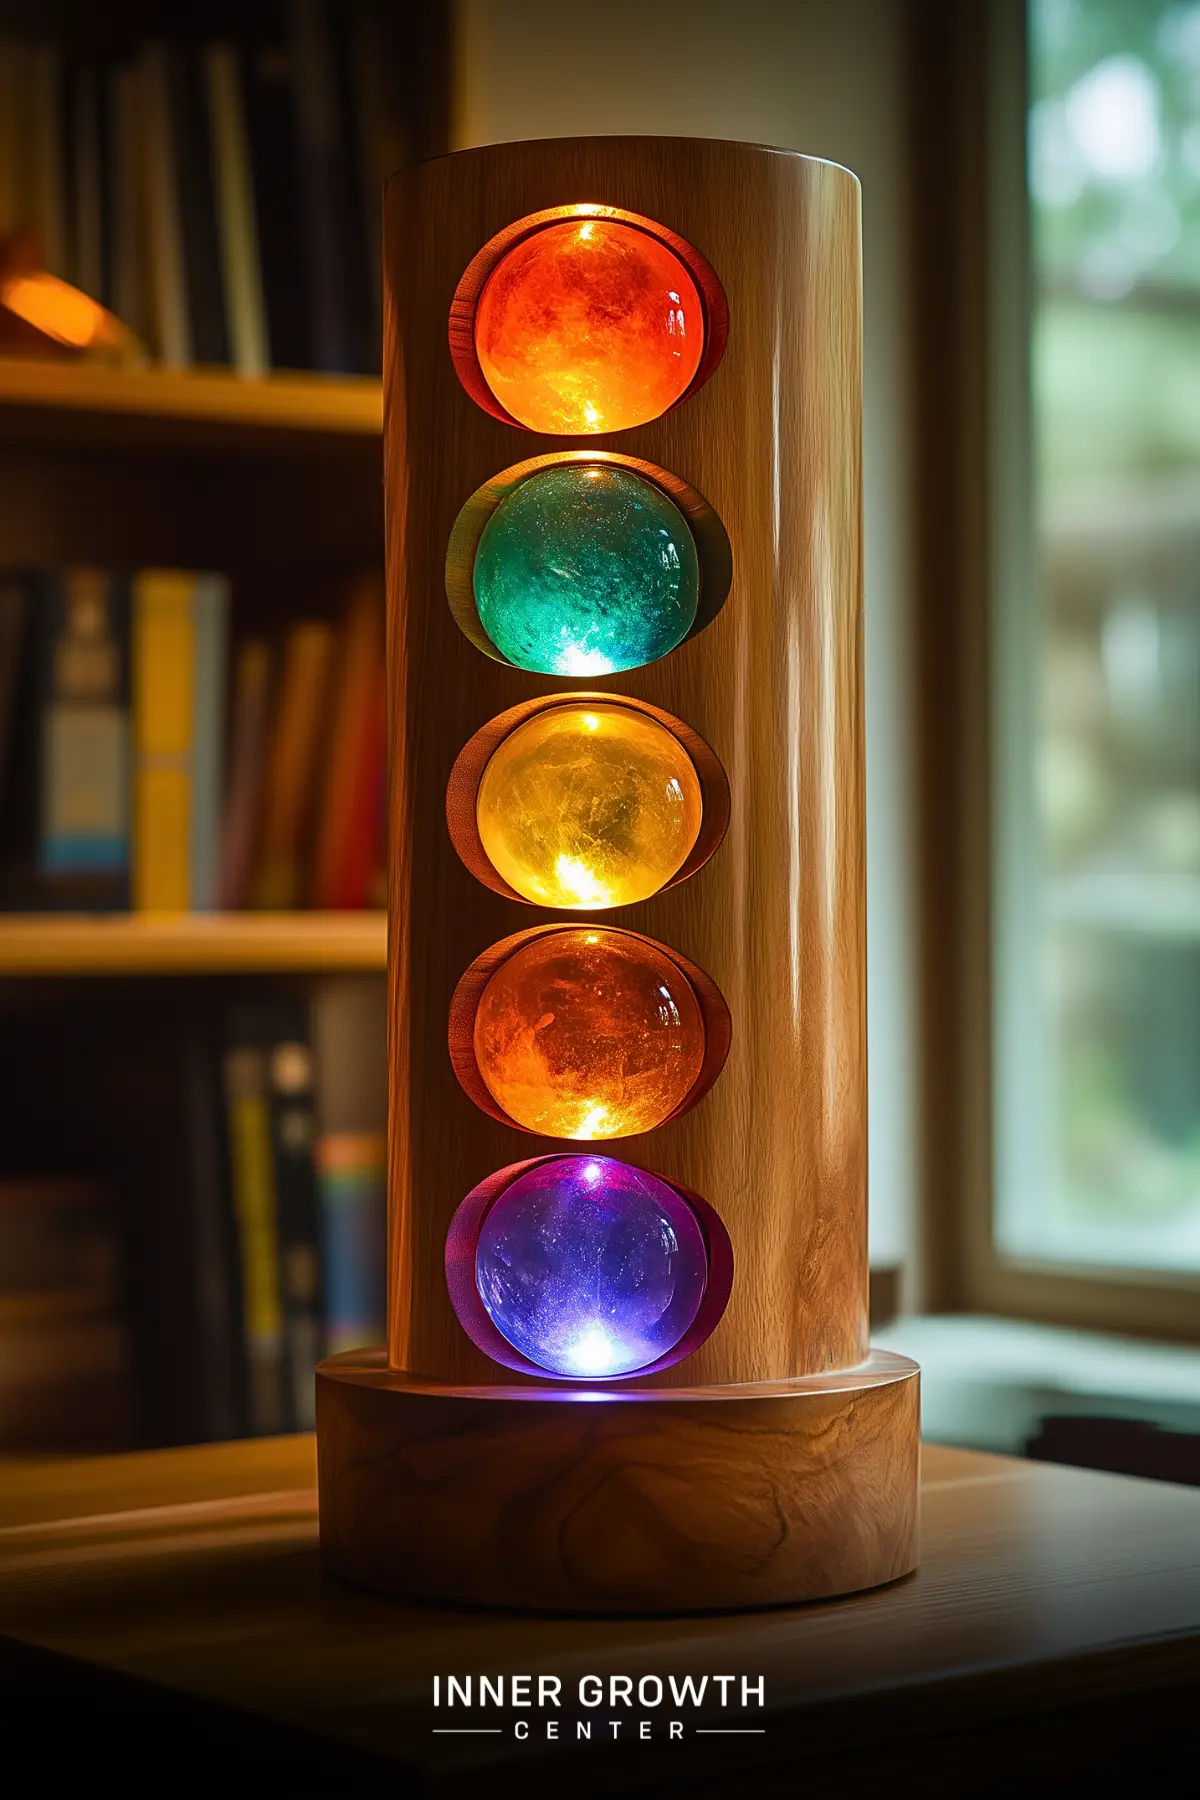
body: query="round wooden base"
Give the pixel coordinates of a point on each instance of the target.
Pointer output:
(626, 1500)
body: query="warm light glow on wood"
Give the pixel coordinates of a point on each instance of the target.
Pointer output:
(58, 310)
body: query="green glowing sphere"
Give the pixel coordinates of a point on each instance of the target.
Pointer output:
(586, 568)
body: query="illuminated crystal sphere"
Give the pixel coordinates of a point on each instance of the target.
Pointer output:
(582, 570)
(590, 1267)
(589, 1034)
(588, 326)
(588, 806)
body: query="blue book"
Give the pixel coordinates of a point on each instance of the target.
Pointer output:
(352, 1179)
(349, 1038)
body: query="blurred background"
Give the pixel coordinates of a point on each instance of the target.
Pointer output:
(192, 1039)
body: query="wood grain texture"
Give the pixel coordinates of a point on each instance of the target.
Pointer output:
(1042, 1591)
(774, 684)
(643, 1501)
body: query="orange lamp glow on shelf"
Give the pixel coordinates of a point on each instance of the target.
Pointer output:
(42, 315)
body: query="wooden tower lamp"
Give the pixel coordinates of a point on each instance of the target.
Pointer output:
(627, 1363)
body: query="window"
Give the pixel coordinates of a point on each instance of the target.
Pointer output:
(1097, 662)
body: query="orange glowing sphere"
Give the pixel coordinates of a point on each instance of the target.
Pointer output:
(588, 326)
(586, 1033)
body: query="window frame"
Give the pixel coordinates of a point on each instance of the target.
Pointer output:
(972, 294)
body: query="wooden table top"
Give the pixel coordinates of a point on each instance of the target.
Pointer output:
(1043, 1592)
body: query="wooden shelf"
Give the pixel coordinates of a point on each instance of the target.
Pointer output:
(318, 406)
(192, 944)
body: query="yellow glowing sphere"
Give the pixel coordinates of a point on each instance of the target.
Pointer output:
(589, 807)
(588, 1032)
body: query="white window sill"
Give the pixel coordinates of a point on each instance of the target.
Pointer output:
(986, 1384)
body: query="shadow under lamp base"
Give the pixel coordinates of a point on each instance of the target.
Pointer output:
(622, 1500)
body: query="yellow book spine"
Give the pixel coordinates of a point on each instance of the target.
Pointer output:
(164, 663)
(255, 1209)
(250, 1131)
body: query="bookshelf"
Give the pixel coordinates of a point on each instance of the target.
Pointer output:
(139, 1052)
(167, 403)
(193, 944)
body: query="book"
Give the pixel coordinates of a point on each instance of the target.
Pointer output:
(21, 885)
(14, 616)
(245, 306)
(211, 611)
(334, 252)
(200, 236)
(287, 811)
(11, 196)
(223, 199)
(268, 88)
(349, 1038)
(249, 737)
(293, 1131)
(86, 188)
(217, 1351)
(180, 627)
(382, 133)
(164, 661)
(161, 202)
(352, 1176)
(44, 151)
(84, 786)
(154, 1106)
(255, 1211)
(349, 813)
(129, 250)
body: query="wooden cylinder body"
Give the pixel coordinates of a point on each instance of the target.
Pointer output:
(773, 684)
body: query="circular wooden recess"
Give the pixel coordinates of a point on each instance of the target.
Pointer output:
(463, 787)
(474, 279)
(709, 535)
(718, 1026)
(462, 1240)
(637, 1501)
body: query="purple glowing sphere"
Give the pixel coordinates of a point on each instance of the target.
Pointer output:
(590, 1267)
